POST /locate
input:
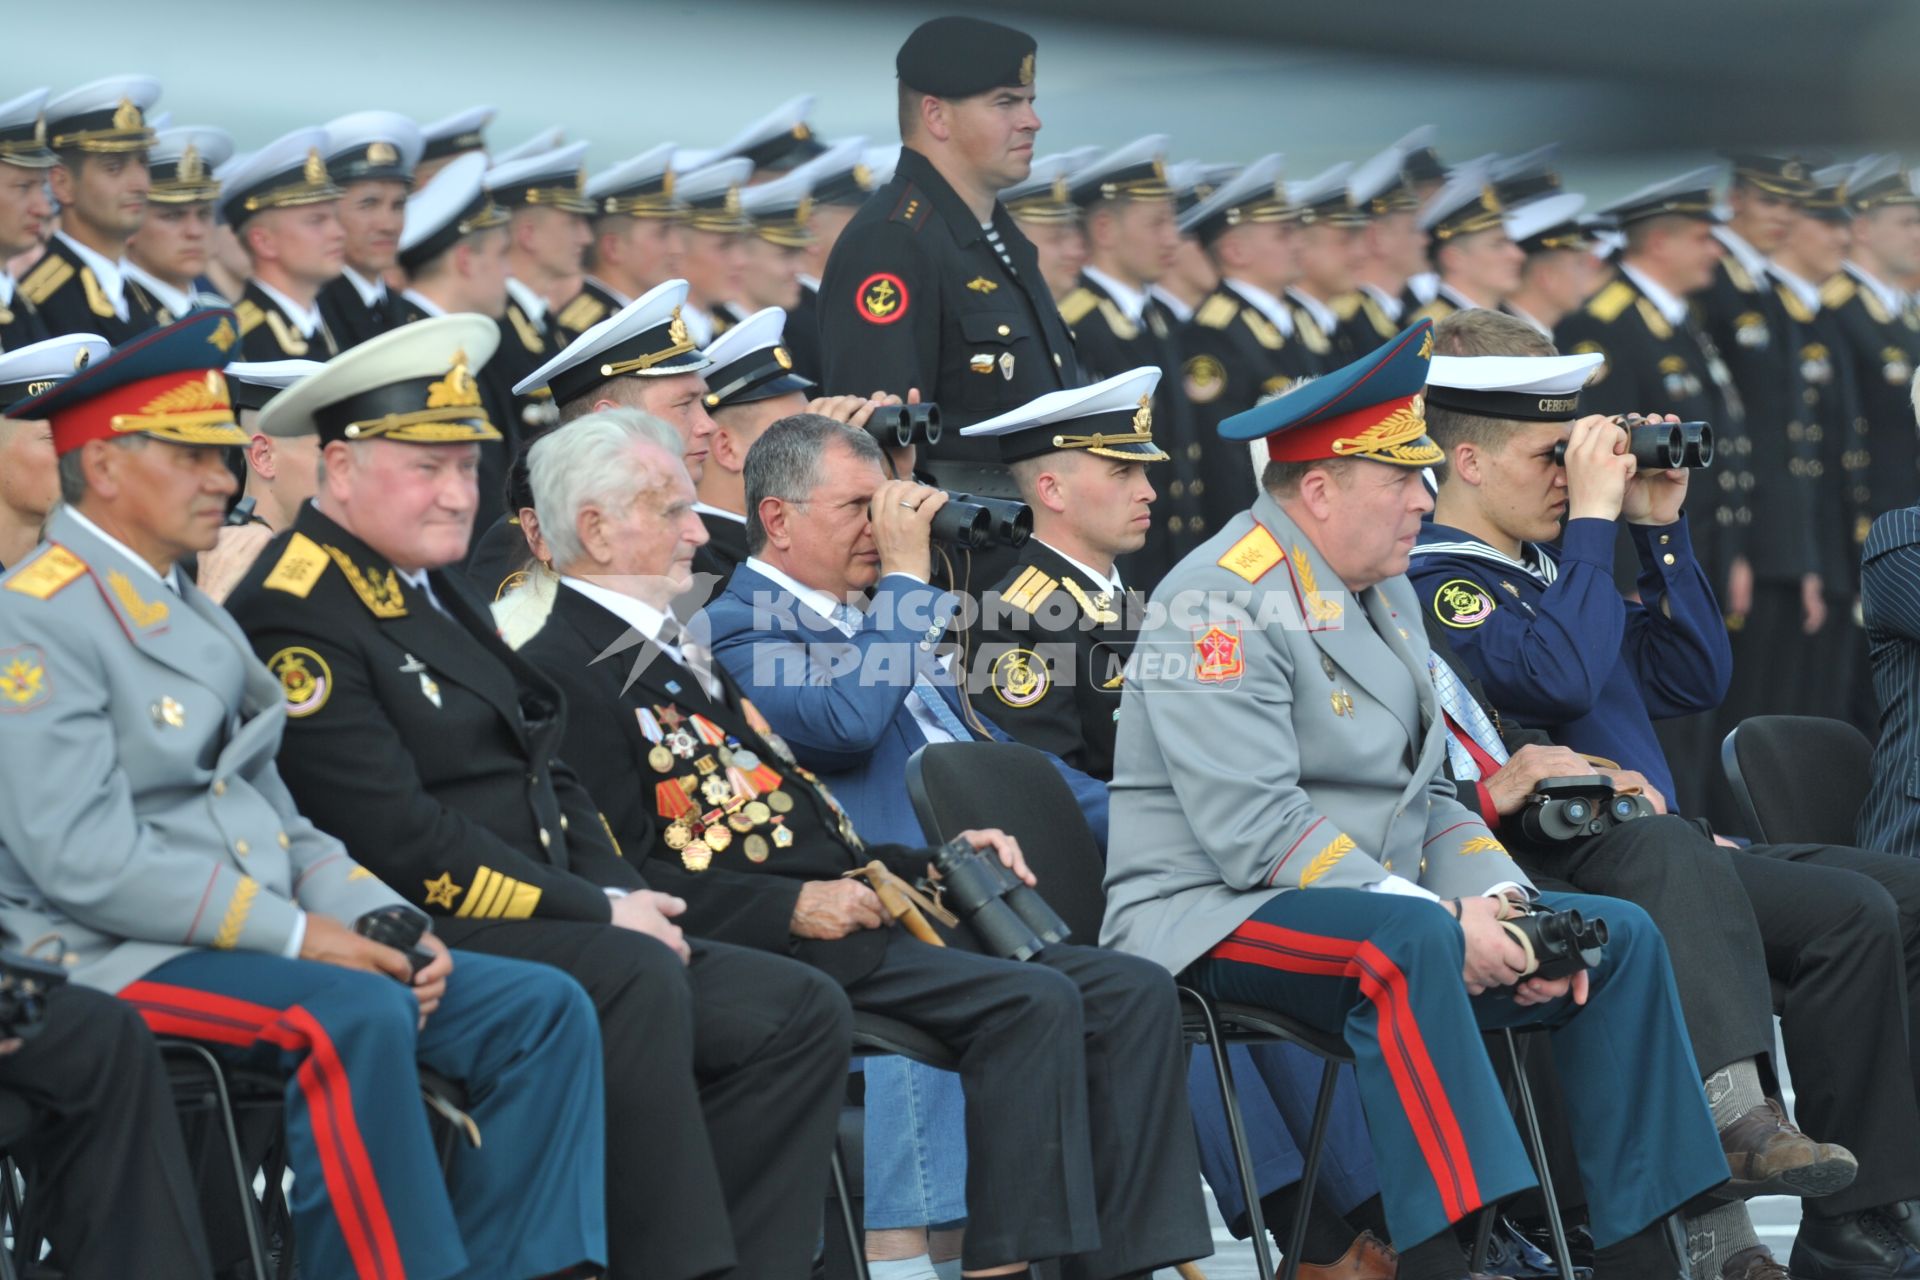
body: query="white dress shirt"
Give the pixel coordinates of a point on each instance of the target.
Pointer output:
(372, 292)
(1131, 301)
(177, 301)
(530, 302)
(1805, 290)
(305, 319)
(1673, 310)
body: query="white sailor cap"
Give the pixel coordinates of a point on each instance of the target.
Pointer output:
(1110, 419)
(1324, 199)
(454, 203)
(456, 134)
(780, 209)
(1690, 196)
(1531, 176)
(840, 174)
(547, 179)
(641, 187)
(1255, 194)
(1878, 181)
(1137, 171)
(881, 162)
(751, 362)
(548, 139)
(1468, 203)
(1378, 185)
(23, 132)
(381, 146)
(781, 139)
(30, 370)
(710, 194)
(1418, 161)
(1045, 194)
(286, 173)
(252, 383)
(1521, 388)
(1549, 222)
(413, 385)
(1194, 180)
(105, 115)
(644, 339)
(182, 161)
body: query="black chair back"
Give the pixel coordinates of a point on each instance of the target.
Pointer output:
(1797, 779)
(957, 786)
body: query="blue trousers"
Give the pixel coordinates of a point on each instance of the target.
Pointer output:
(369, 1200)
(1277, 1085)
(916, 1146)
(1384, 971)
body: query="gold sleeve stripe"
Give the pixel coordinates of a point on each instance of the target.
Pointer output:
(498, 897)
(483, 885)
(1324, 860)
(239, 907)
(611, 838)
(520, 904)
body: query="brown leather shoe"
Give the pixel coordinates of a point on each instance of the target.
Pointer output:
(1753, 1264)
(1367, 1258)
(1768, 1156)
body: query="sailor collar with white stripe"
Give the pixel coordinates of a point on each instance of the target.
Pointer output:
(1538, 564)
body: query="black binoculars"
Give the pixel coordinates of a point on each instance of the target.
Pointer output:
(905, 423)
(973, 523)
(1008, 918)
(399, 928)
(1662, 446)
(25, 984)
(1558, 943)
(1564, 810)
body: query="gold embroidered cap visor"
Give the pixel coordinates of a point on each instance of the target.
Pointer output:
(304, 184)
(108, 131)
(1112, 418)
(413, 385)
(1373, 409)
(479, 215)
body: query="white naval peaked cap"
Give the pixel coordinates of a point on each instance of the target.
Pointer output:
(1324, 198)
(373, 145)
(644, 339)
(548, 179)
(1137, 169)
(750, 362)
(840, 174)
(1112, 418)
(1466, 204)
(413, 385)
(881, 163)
(23, 132)
(461, 131)
(94, 117)
(1524, 388)
(647, 177)
(253, 383)
(1690, 194)
(778, 136)
(454, 203)
(29, 370)
(1378, 179)
(546, 140)
(1549, 214)
(1256, 193)
(288, 172)
(182, 162)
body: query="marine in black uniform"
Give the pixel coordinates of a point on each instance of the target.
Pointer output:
(1047, 661)
(271, 197)
(1241, 345)
(77, 287)
(24, 209)
(371, 157)
(932, 286)
(1118, 325)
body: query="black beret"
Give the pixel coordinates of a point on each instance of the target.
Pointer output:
(958, 57)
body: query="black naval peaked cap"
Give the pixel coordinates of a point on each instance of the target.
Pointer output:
(958, 57)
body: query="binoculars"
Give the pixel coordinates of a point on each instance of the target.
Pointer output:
(25, 984)
(1564, 810)
(905, 424)
(1662, 446)
(1007, 916)
(399, 928)
(973, 523)
(1558, 943)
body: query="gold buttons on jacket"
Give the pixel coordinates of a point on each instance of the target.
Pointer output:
(242, 848)
(219, 786)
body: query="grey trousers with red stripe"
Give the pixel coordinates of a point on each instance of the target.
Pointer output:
(1384, 971)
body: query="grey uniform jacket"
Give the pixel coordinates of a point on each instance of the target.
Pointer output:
(140, 811)
(1277, 735)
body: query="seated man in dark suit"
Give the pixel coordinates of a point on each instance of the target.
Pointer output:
(1890, 601)
(1075, 1045)
(428, 747)
(1558, 649)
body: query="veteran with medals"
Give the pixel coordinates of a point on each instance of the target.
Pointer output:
(1336, 876)
(428, 746)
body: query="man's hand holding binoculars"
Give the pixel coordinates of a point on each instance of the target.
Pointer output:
(902, 516)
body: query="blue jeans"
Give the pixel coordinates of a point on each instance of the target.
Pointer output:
(916, 1146)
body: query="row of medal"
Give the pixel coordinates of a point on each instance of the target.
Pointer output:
(730, 791)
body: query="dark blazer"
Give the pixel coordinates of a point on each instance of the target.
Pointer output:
(21, 324)
(1890, 603)
(915, 296)
(268, 333)
(419, 739)
(69, 298)
(841, 703)
(744, 892)
(1111, 344)
(525, 345)
(349, 319)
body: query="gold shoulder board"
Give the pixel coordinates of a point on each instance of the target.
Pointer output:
(1075, 306)
(1253, 555)
(1347, 305)
(583, 312)
(300, 566)
(1030, 588)
(250, 315)
(1217, 312)
(1837, 292)
(46, 573)
(44, 279)
(1608, 304)
(1123, 329)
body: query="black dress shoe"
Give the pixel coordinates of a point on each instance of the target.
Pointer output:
(1511, 1253)
(1904, 1217)
(1854, 1246)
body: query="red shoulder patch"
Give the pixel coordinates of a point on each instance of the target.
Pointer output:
(882, 298)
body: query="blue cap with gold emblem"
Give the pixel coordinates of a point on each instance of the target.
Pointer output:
(1374, 408)
(28, 371)
(166, 383)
